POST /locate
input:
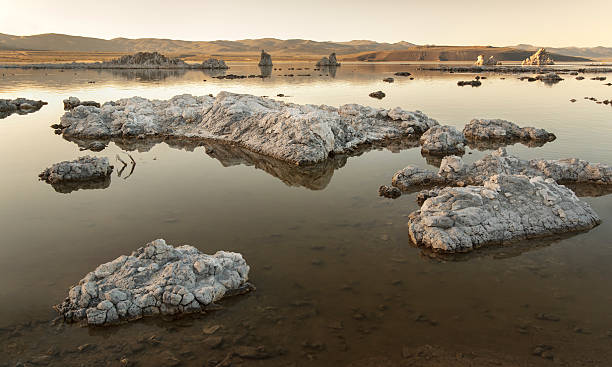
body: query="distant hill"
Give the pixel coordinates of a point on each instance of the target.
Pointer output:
(62, 42)
(588, 52)
(452, 53)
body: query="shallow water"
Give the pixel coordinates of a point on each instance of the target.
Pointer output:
(337, 278)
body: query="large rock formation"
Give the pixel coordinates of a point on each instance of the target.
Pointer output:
(20, 106)
(265, 59)
(442, 140)
(502, 130)
(294, 133)
(328, 61)
(154, 59)
(507, 208)
(453, 171)
(85, 168)
(155, 279)
(481, 61)
(541, 57)
(214, 64)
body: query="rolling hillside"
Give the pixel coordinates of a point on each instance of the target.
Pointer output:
(451, 53)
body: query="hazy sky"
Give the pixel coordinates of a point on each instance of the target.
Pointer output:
(451, 22)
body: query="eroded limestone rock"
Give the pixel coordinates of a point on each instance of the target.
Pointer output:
(481, 61)
(502, 130)
(265, 59)
(214, 64)
(72, 102)
(453, 171)
(85, 168)
(155, 279)
(507, 208)
(442, 140)
(329, 61)
(299, 134)
(541, 57)
(20, 106)
(148, 59)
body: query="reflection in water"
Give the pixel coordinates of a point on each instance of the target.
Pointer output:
(265, 71)
(66, 187)
(484, 145)
(147, 75)
(314, 176)
(508, 251)
(329, 70)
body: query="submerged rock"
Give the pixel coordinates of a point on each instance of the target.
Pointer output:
(442, 140)
(507, 208)
(389, 192)
(497, 129)
(328, 61)
(73, 102)
(19, 105)
(541, 57)
(481, 61)
(155, 279)
(473, 83)
(85, 168)
(453, 171)
(265, 59)
(299, 134)
(214, 64)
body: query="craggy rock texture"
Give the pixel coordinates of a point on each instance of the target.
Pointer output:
(389, 192)
(549, 78)
(502, 130)
(214, 64)
(473, 83)
(485, 62)
(506, 209)
(265, 59)
(73, 102)
(453, 171)
(148, 59)
(155, 279)
(541, 57)
(329, 61)
(82, 169)
(378, 95)
(442, 140)
(299, 134)
(20, 106)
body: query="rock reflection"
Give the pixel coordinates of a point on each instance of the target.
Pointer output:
(66, 187)
(508, 251)
(314, 177)
(330, 70)
(265, 71)
(483, 145)
(147, 75)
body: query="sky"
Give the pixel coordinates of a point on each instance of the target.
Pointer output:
(442, 22)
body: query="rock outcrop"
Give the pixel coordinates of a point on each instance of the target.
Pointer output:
(155, 279)
(378, 94)
(265, 59)
(299, 134)
(20, 106)
(329, 61)
(481, 61)
(72, 102)
(473, 83)
(214, 64)
(541, 57)
(148, 59)
(453, 171)
(85, 168)
(506, 209)
(502, 130)
(549, 78)
(442, 140)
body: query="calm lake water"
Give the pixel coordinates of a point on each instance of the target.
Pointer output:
(338, 281)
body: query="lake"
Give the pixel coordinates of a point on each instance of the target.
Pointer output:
(338, 281)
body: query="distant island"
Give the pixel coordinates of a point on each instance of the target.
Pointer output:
(60, 48)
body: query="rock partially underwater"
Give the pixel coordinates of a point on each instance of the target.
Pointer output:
(19, 106)
(506, 209)
(265, 59)
(299, 134)
(155, 279)
(442, 140)
(328, 61)
(541, 57)
(73, 102)
(453, 171)
(479, 130)
(83, 173)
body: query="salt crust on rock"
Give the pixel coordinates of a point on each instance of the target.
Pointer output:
(497, 129)
(155, 279)
(506, 209)
(442, 140)
(290, 132)
(453, 171)
(86, 168)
